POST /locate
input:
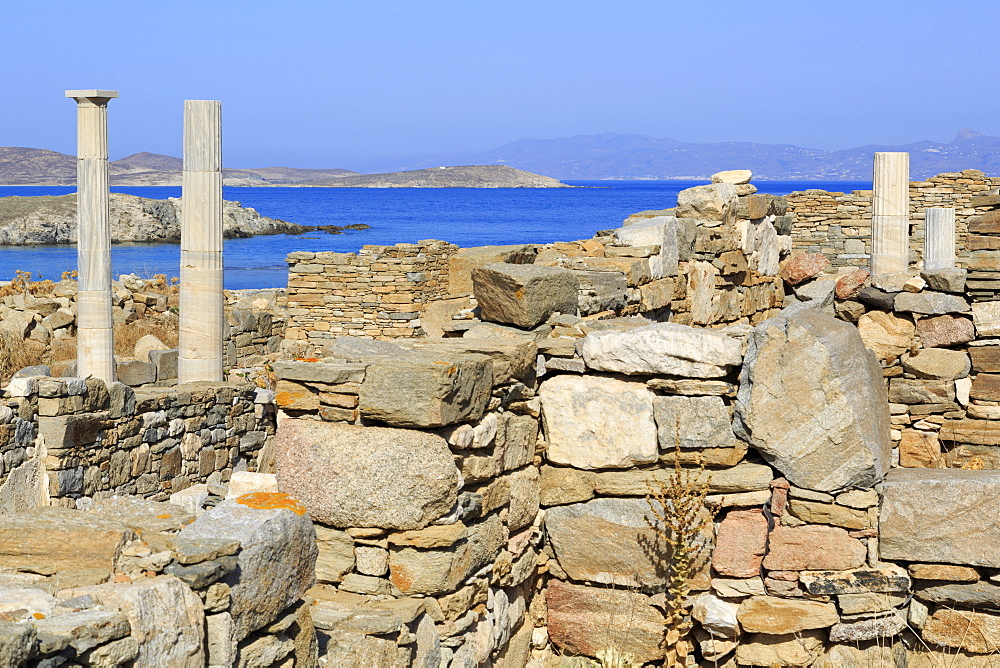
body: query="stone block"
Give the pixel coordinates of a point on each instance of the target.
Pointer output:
(354, 476)
(607, 540)
(575, 410)
(938, 363)
(796, 649)
(716, 202)
(663, 348)
(838, 434)
(693, 422)
(800, 268)
(426, 389)
(740, 544)
(277, 557)
(986, 318)
(135, 373)
(329, 373)
(165, 362)
(48, 540)
(248, 482)
(888, 335)
(858, 581)
(977, 595)
(930, 303)
(512, 360)
(335, 554)
(601, 291)
(780, 616)
(917, 503)
(945, 330)
(976, 632)
(585, 620)
(463, 262)
(524, 295)
(813, 548)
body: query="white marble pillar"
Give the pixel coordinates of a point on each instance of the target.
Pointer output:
(891, 213)
(939, 238)
(95, 325)
(202, 323)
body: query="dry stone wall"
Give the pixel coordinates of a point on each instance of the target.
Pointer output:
(838, 225)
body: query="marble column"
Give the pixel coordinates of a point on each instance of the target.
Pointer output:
(891, 213)
(95, 324)
(939, 239)
(202, 323)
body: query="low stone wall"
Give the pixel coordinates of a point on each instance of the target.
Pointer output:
(378, 292)
(838, 225)
(66, 441)
(134, 582)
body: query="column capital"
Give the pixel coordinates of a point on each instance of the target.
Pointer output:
(92, 94)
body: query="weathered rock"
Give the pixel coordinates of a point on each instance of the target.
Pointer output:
(511, 359)
(247, 482)
(779, 616)
(348, 649)
(426, 389)
(524, 295)
(524, 498)
(734, 176)
(888, 335)
(799, 649)
(48, 540)
(81, 630)
(607, 540)
(868, 629)
(943, 572)
(813, 548)
(819, 293)
(575, 410)
(165, 617)
(985, 358)
(930, 303)
(802, 267)
(738, 588)
(740, 544)
(562, 485)
(945, 330)
(145, 345)
(663, 348)
(462, 263)
(436, 535)
(353, 476)
(946, 280)
(986, 318)
(938, 363)
(838, 435)
(858, 581)
(277, 557)
(849, 285)
(135, 373)
(585, 620)
(977, 595)
(713, 202)
(716, 616)
(693, 422)
(975, 632)
(941, 516)
(869, 602)
(440, 571)
(744, 477)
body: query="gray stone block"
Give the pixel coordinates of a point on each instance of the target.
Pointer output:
(524, 295)
(165, 362)
(135, 373)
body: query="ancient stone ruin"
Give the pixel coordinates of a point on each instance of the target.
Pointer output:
(430, 456)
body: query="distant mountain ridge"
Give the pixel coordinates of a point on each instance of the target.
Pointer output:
(630, 156)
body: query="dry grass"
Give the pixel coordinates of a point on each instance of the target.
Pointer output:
(17, 353)
(127, 335)
(23, 285)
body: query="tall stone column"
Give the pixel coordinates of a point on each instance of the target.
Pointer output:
(939, 238)
(202, 319)
(95, 324)
(202, 323)
(891, 213)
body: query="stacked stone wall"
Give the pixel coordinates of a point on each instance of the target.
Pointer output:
(838, 224)
(379, 292)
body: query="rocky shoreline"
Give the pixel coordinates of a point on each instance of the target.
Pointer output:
(50, 219)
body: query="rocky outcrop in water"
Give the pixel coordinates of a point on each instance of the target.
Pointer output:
(52, 220)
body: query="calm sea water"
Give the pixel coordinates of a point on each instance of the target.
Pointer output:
(463, 216)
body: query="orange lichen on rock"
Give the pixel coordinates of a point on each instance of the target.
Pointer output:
(271, 501)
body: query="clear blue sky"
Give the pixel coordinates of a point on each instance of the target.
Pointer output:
(333, 83)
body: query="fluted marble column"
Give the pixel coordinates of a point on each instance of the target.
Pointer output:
(891, 213)
(202, 324)
(939, 238)
(95, 324)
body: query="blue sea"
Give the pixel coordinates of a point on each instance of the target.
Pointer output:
(463, 216)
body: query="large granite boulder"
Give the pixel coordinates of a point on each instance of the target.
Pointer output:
(941, 516)
(608, 541)
(594, 423)
(524, 295)
(277, 559)
(353, 476)
(426, 389)
(813, 401)
(663, 348)
(718, 201)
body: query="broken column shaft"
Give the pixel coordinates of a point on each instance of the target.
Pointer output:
(939, 238)
(891, 213)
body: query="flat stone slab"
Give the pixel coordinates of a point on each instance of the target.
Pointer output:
(941, 516)
(663, 348)
(54, 539)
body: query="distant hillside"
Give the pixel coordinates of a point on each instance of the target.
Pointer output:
(32, 166)
(469, 176)
(618, 156)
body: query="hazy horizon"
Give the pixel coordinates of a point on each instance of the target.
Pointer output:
(322, 85)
